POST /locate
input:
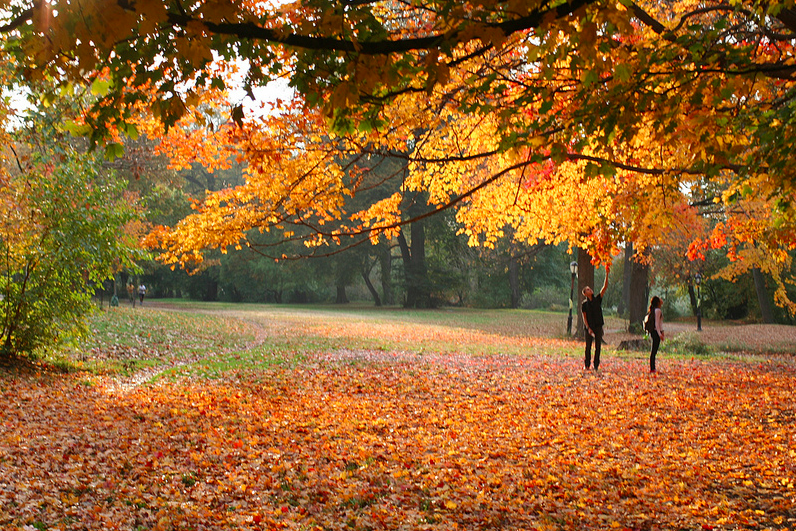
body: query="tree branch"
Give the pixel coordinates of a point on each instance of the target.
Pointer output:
(780, 70)
(249, 30)
(22, 18)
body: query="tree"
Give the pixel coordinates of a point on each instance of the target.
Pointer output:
(62, 235)
(618, 114)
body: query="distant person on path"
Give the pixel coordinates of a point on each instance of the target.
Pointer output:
(141, 293)
(656, 331)
(131, 293)
(593, 321)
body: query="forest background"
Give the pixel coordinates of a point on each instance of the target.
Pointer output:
(463, 157)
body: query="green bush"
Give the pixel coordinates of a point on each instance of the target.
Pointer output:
(688, 343)
(60, 237)
(545, 298)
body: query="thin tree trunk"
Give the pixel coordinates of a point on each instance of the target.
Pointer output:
(211, 291)
(385, 264)
(514, 281)
(638, 295)
(373, 292)
(342, 298)
(627, 272)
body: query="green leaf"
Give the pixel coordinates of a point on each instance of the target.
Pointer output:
(131, 131)
(622, 72)
(100, 87)
(607, 170)
(77, 129)
(589, 78)
(114, 151)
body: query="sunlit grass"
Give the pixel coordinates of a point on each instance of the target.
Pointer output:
(124, 340)
(205, 340)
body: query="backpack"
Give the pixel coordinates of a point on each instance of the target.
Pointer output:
(649, 322)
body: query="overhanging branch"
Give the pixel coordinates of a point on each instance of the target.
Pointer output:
(252, 31)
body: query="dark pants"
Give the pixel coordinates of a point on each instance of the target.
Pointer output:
(598, 342)
(656, 342)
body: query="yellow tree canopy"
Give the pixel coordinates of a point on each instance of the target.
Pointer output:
(590, 121)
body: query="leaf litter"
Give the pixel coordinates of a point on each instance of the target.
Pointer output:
(378, 439)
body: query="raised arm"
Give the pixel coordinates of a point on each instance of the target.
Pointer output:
(605, 284)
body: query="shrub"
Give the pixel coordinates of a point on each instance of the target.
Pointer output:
(60, 237)
(687, 343)
(544, 298)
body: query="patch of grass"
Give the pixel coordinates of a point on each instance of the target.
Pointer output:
(217, 367)
(145, 327)
(124, 340)
(458, 330)
(513, 323)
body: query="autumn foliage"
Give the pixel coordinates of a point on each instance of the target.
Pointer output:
(595, 123)
(339, 437)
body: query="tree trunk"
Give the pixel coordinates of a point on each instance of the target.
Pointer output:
(692, 298)
(514, 281)
(627, 271)
(637, 302)
(585, 278)
(762, 296)
(385, 264)
(419, 268)
(415, 271)
(369, 284)
(341, 298)
(211, 291)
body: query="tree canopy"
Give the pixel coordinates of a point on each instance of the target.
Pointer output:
(588, 122)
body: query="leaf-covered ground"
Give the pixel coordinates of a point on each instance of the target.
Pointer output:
(320, 425)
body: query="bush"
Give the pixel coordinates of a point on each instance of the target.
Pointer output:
(687, 343)
(59, 239)
(545, 298)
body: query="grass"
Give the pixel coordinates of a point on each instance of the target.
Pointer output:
(124, 340)
(206, 340)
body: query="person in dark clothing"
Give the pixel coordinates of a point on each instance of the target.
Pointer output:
(656, 333)
(593, 322)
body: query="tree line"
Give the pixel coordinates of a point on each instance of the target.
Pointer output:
(433, 154)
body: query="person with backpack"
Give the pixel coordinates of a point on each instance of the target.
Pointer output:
(653, 323)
